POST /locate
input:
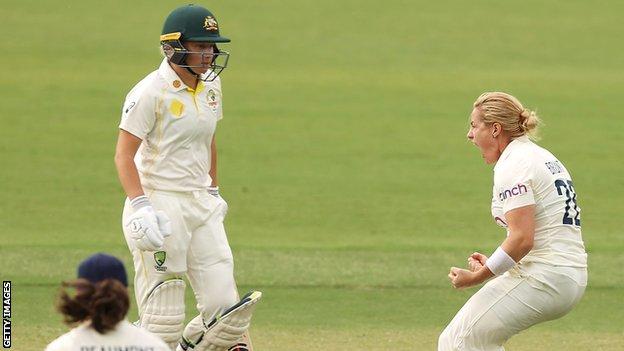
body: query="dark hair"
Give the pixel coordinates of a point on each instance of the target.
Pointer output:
(104, 303)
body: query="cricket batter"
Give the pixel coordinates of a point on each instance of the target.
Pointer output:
(540, 269)
(166, 158)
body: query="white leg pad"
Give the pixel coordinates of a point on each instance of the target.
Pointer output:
(163, 312)
(224, 332)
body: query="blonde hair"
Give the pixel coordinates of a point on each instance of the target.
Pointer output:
(502, 108)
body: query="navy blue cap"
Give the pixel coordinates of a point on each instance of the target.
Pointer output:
(102, 266)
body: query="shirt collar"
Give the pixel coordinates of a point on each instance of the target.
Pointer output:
(510, 147)
(173, 80)
(171, 77)
(199, 89)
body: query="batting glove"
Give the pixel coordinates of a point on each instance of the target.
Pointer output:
(147, 227)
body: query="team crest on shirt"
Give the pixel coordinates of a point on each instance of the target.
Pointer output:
(213, 102)
(210, 23)
(160, 257)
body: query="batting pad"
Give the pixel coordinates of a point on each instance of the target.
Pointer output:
(224, 332)
(163, 312)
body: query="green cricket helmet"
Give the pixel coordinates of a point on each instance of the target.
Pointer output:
(193, 23)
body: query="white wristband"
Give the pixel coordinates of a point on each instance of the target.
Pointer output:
(500, 262)
(140, 202)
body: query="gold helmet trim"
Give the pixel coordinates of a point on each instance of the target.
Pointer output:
(171, 36)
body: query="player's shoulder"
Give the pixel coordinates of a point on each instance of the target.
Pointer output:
(64, 341)
(513, 162)
(540, 159)
(214, 84)
(57, 344)
(145, 86)
(144, 92)
(549, 165)
(520, 158)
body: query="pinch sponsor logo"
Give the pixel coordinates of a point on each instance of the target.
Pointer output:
(515, 191)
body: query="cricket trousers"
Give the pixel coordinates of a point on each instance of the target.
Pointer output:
(528, 294)
(197, 248)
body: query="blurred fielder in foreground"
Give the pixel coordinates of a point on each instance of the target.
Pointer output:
(99, 305)
(173, 215)
(540, 269)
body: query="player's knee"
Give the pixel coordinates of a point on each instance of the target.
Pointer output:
(221, 293)
(216, 304)
(163, 312)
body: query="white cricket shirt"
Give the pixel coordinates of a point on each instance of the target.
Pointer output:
(125, 336)
(527, 174)
(176, 124)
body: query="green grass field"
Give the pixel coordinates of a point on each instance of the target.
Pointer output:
(343, 155)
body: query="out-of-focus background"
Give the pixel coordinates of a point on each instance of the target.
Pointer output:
(342, 154)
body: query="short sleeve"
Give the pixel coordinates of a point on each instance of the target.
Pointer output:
(138, 115)
(514, 186)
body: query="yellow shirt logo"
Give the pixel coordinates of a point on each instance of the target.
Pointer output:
(176, 108)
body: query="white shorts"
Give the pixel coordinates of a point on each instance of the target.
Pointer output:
(528, 294)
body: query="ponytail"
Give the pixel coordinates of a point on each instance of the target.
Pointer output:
(105, 304)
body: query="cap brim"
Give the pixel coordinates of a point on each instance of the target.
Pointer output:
(210, 39)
